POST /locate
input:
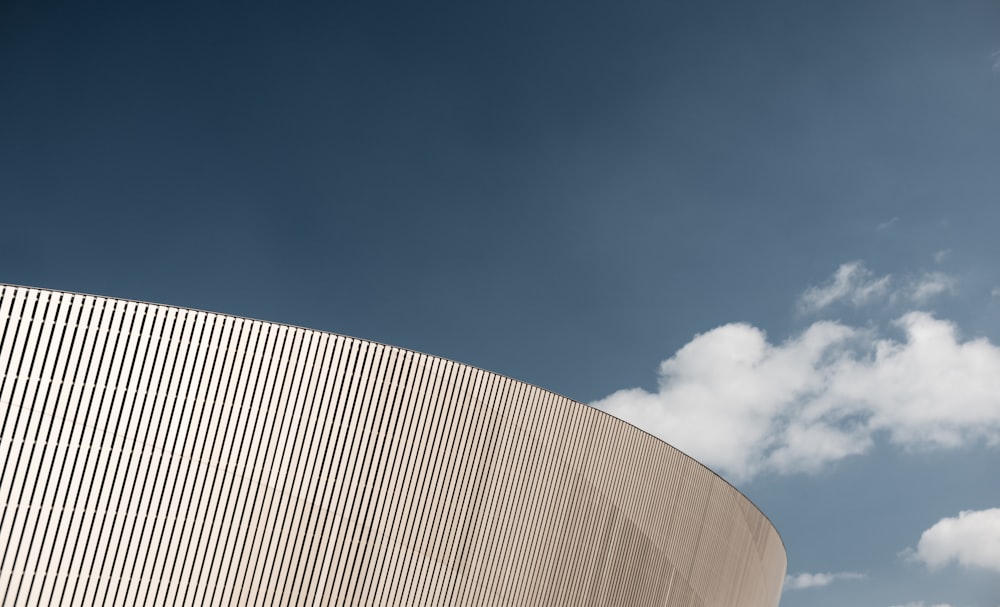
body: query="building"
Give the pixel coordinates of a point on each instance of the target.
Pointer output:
(153, 455)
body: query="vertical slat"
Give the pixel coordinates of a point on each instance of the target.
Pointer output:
(151, 455)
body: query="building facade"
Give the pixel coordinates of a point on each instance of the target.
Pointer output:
(153, 455)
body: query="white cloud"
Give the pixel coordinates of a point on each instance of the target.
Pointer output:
(995, 292)
(852, 283)
(996, 62)
(972, 539)
(941, 255)
(814, 580)
(928, 285)
(743, 405)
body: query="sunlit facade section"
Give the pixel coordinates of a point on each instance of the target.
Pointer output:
(153, 455)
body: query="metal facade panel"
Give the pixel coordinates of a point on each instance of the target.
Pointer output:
(163, 456)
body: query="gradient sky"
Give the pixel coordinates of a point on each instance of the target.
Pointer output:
(572, 193)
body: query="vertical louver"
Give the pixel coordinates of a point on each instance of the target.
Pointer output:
(160, 456)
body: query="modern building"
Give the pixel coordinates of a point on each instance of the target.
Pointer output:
(153, 455)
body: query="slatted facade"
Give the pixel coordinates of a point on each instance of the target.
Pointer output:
(153, 455)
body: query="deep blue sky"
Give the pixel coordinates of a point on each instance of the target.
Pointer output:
(563, 192)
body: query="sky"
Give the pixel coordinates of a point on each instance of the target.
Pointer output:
(763, 231)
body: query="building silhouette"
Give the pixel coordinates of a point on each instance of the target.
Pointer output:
(153, 455)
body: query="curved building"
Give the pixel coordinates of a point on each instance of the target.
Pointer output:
(153, 455)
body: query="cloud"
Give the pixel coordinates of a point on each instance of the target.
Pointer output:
(743, 405)
(941, 255)
(928, 285)
(996, 62)
(852, 283)
(885, 225)
(815, 580)
(972, 539)
(995, 292)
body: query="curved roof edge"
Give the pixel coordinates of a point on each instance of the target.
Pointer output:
(442, 358)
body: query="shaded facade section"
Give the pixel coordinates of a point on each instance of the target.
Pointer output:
(163, 456)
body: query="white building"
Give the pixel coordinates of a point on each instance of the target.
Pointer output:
(153, 455)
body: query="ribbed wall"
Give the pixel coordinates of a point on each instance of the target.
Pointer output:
(160, 456)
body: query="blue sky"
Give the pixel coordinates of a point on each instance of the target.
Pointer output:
(615, 201)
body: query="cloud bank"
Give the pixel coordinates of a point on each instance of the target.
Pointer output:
(972, 539)
(815, 580)
(743, 405)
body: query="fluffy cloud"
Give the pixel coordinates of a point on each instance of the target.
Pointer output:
(814, 580)
(972, 539)
(743, 405)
